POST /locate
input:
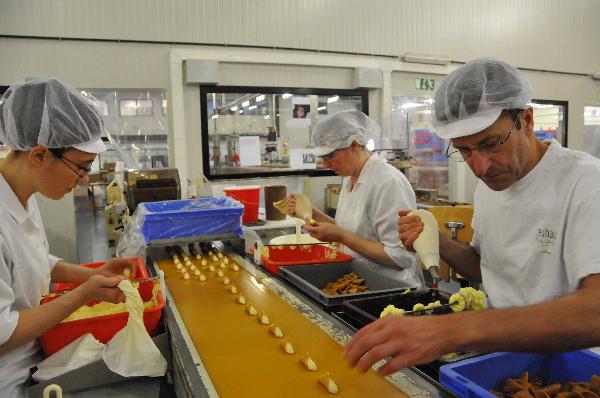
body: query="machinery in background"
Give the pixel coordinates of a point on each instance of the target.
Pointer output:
(151, 185)
(116, 213)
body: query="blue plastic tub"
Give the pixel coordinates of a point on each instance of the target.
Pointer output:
(191, 217)
(475, 377)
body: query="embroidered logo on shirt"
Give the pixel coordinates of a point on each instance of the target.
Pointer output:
(546, 238)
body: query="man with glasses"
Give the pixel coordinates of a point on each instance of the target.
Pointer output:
(536, 224)
(54, 136)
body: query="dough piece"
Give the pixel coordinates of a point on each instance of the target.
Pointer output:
(226, 260)
(220, 273)
(201, 277)
(391, 310)
(233, 289)
(220, 255)
(186, 276)
(226, 281)
(240, 299)
(264, 319)
(222, 266)
(250, 310)
(235, 267)
(287, 347)
(308, 363)
(212, 268)
(204, 262)
(276, 331)
(215, 259)
(330, 385)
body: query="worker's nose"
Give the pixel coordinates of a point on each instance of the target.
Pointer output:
(479, 163)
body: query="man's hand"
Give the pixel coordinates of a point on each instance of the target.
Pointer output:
(291, 205)
(409, 228)
(101, 288)
(116, 266)
(325, 232)
(408, 340)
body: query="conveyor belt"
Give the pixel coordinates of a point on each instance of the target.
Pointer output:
(243, 359)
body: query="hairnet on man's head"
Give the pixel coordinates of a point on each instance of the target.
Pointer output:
(340, 129)
(45, 111)
(472, 97)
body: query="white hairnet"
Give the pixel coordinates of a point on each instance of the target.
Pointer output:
(340, 129)
(45, 111)
(472, 97)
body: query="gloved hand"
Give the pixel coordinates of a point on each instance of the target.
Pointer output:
(409, 228)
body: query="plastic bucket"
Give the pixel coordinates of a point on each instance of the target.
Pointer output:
(249, 197)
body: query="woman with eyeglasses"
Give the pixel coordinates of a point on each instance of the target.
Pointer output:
(536, 226)
(54, 135)
(372, 194)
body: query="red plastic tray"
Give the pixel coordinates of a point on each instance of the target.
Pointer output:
(301, 255)
(103, 327)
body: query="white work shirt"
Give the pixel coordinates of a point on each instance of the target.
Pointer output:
(25, 267)
(371, 209)
(538, 238)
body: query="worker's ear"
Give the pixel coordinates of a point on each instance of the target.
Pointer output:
(526, 116)
(39, 156)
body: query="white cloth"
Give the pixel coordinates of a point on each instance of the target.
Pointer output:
(538, 238)
(371, 210)
(25, 267)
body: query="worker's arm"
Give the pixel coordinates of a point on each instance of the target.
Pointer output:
(327, 232)
(32, 323)
(318, 215)
(565, 324)
(75, 273)
(462, 258)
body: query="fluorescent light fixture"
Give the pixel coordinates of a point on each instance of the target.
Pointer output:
(267, 116)
(214, 116)
(260, 98)
(429, 101)
(426, 59)
(332, 99)
(234, 108)
(252, 107)
(286, 95)
(245, 103)
(410, 105)
(540, 106)
(241, 111)
(321, 108)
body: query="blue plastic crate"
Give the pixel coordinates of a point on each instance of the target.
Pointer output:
(191, 217)
(475, 377)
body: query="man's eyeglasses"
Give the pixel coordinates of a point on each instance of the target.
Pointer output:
(486, 148)
(81, 171)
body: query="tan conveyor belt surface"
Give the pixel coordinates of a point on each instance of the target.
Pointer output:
(243, 358)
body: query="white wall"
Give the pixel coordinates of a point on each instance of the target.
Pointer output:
(543, 34)
(60, 230)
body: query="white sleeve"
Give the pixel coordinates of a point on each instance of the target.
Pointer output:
(581, 249)
(52, 260)
(388, 199)
(8, 317)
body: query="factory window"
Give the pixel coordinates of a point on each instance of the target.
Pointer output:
(139, 142)
(262, 132)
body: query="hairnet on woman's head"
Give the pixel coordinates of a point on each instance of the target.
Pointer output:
(340, 129)
(472, 97)
(45, 111)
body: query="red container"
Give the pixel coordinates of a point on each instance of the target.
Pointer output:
(103, 327)
(249, 197)
(281, 256)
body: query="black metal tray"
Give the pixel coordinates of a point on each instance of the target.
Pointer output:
(311, 279)
(363, 311)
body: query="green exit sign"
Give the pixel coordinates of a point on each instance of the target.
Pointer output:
(425, 84)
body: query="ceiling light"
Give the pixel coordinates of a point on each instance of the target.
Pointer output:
(252, 107)
(426, 59)
(241, 111)
(332, 99)
(267, 116)
(245, 103)
(234, 108)
(286, 95)
(321, 108)
(214, 116)
(260, 98)
(410, 105)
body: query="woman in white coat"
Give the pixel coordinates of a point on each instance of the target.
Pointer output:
(54, 136)
(372, 193)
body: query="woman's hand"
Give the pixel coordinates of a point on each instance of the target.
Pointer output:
(292, 205)
(99, 287)
(409, 228)
(325, 232)
(116, 266)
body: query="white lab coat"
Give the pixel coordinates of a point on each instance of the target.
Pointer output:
(25, 267)
(538, 238)
(371, 210)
